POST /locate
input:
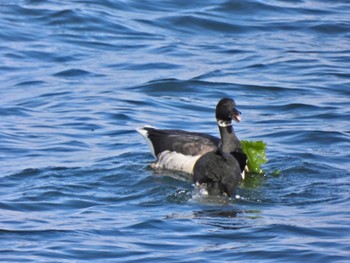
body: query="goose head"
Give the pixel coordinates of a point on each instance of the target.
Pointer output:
(226, 111)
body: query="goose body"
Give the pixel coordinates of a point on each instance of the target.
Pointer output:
(217, 163)
(176, 149)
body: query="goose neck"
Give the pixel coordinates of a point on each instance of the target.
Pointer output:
(229, 142)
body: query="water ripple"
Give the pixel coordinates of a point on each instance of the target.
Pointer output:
(79, 77)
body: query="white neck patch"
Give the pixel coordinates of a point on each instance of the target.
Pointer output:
(224, 123)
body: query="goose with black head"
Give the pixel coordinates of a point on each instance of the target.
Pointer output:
(217, 163)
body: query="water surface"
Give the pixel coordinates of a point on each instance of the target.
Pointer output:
(77, 79)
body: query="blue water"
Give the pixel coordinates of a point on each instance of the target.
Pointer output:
(76, 80)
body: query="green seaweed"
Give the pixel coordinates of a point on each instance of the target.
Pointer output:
(255, 151)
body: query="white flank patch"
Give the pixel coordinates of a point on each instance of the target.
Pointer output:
(176, 161)
(245, 171)
(243, 174)
(144, 134)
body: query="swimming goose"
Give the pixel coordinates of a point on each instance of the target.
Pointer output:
(217, 163)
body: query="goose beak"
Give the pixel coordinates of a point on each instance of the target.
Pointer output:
(236, 115)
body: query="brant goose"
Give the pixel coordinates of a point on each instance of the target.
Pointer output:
(217, 163)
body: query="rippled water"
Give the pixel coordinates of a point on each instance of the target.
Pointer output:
(77, 79)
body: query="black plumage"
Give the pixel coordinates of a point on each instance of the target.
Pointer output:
(221, 174)
(187, 143)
